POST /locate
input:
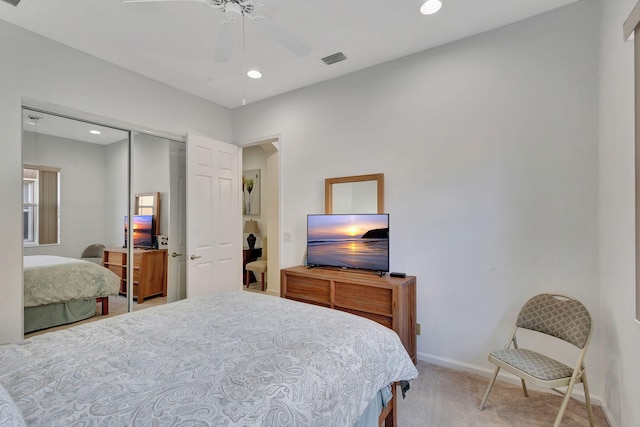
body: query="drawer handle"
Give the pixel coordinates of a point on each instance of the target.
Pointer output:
(175, 255)
(195, 257)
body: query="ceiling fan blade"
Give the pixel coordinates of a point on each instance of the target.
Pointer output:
(224, 44)
(266, 28)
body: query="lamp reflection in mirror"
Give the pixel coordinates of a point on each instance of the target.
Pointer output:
(251, 227)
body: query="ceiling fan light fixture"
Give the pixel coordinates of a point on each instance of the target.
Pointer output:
(430, 7)
(254, 74)
(232, 7)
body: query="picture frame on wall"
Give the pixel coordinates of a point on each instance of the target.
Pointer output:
(251, 192)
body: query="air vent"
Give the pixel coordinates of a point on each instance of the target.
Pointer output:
(332, 59)
(12, 2)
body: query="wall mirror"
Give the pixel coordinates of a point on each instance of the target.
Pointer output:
(354, 194)
(148, 204)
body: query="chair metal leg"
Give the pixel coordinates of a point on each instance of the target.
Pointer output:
(587, 397)
(565, 402)
(524, 388)
(486, 393)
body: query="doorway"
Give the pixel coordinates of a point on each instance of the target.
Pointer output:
(261, 163)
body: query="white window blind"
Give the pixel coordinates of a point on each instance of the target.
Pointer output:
(41, 204)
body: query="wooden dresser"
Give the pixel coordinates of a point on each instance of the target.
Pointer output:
(388, 300)
(149, 270)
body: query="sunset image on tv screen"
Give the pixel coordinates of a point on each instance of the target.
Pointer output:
(142, 231)
(352, 241)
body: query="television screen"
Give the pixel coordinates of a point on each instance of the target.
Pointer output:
(349, 241)
(142, 231)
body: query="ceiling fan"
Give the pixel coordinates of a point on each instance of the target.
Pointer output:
(235, 11)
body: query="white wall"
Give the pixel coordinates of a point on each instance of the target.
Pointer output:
(489, 150)
(116, 192)
(621, 335)
(36, 68)
(82, 183)
(151, 172)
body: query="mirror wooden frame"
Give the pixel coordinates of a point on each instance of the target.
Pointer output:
(156, 208)
(328, 189)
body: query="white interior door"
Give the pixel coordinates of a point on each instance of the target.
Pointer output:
(177, 274)
(213, 216)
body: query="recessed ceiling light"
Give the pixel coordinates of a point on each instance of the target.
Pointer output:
(33, 120)
(254, 74)
(95, 132)
(430, 7)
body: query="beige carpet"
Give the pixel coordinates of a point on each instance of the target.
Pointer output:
(255, 287)
(447, 397)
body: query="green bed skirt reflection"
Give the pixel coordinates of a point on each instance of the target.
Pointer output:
(50, 315)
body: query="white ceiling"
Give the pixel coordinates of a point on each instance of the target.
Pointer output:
(49, 124)
(174, 41)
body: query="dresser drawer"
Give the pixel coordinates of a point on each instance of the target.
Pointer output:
(115, 258)
(383, 320)
(117, 269)
(308, 289)
(369, 299)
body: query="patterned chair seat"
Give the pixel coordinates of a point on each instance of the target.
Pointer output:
(535, 364)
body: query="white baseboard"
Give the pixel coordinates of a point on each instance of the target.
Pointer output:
(272, 292)
(506, 377)
(607, 414)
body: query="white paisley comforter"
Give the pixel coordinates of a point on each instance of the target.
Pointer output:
(228, 359)
(53, 279)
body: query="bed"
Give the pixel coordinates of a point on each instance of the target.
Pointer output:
(59, 290)
(229, 359)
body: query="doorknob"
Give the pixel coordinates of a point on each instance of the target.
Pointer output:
(175, 255)
(195, 256)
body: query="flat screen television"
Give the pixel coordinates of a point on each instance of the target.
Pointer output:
(359, 241)
(142, 231)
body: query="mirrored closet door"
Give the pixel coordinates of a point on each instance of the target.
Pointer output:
(75, 199)
(158, 187)
(103, 196)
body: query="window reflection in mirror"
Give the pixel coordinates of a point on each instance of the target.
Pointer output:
(40, 190)
(145, 204)
(149, 204)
